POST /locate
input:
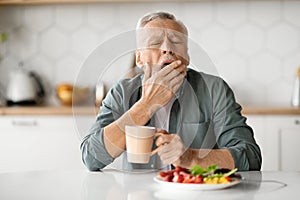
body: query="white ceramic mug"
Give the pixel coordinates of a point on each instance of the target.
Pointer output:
(139, 141)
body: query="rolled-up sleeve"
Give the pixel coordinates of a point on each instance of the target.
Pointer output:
(94, 155)
(93, 151)
(232, 130)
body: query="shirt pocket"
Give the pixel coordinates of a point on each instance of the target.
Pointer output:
(198, 135)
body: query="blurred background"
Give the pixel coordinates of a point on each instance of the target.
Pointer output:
(254, 44)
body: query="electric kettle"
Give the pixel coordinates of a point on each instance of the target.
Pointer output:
(24, 88)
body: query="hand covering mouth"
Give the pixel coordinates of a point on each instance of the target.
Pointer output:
(166, 62)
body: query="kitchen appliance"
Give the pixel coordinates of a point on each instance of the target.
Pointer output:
(24, 88)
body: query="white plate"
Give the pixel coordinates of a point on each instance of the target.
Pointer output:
(194, 186)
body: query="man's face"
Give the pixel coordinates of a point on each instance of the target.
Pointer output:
(161, 42)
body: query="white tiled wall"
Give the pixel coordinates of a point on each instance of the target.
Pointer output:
(255, 44)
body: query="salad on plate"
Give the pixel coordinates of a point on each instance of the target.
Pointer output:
(199, 175)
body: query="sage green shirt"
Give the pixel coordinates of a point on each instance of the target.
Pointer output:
(204, 114)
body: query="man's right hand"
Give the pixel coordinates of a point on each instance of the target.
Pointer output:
(160, 88)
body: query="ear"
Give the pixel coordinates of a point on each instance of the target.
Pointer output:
(138, 60)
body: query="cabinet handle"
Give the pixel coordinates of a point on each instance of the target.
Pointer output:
(297, 122)
(24, 123)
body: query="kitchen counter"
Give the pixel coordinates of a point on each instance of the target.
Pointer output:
(270, 110)
(112, 184)
(48, 110)
(89, 110)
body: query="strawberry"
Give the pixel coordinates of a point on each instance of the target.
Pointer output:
(181, 169)
(178, 177)
(188, 179)
(228, 178)
(198, 179)
(163, 174)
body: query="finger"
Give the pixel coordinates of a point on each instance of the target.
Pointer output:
(176, 86)
(159, 130)
(176, 80)
(173, 73)
(166, 70)
(169, 154)
(169, 158)
(156, 150)
(158, 134)
(163, 139)
(175, 64)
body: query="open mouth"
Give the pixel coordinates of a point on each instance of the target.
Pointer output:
(166, 63)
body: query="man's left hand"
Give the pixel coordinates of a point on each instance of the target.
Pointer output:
(170, 147)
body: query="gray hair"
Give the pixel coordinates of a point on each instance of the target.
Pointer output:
(161, 15)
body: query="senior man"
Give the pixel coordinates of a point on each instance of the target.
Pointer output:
(198, 119)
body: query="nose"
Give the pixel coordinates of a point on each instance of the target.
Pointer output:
(166, 48)
(168, 52)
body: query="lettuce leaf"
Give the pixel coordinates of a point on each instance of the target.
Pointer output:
(197, 170)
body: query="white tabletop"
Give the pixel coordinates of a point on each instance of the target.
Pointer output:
(115, 185)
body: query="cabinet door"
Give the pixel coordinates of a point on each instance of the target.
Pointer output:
(38, 143)
(257, 123)
(282, 142)
(289, 144)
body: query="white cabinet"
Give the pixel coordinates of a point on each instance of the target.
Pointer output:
(279, 139)
(257, 123)
(40, 142)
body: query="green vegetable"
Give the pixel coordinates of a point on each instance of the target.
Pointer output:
(231, 172)
(210, 171)
(197, 170)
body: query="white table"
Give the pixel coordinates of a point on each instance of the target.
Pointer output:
(114, 185)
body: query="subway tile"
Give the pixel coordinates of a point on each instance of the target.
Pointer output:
(265, 13)
(22, 43)
(291, 11)
(279, 93)
(84, 41)
(232, 68)
(248, 39)
(283, 39)
(54, 43)
(197, 15)
(231, 13)
(101, 16)
(129, 14)
(265, 69)
(216, 40)
(250, 93)
(69, 64)
(69, 17)
(38, 18)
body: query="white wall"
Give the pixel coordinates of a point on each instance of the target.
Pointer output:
(255, 44)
